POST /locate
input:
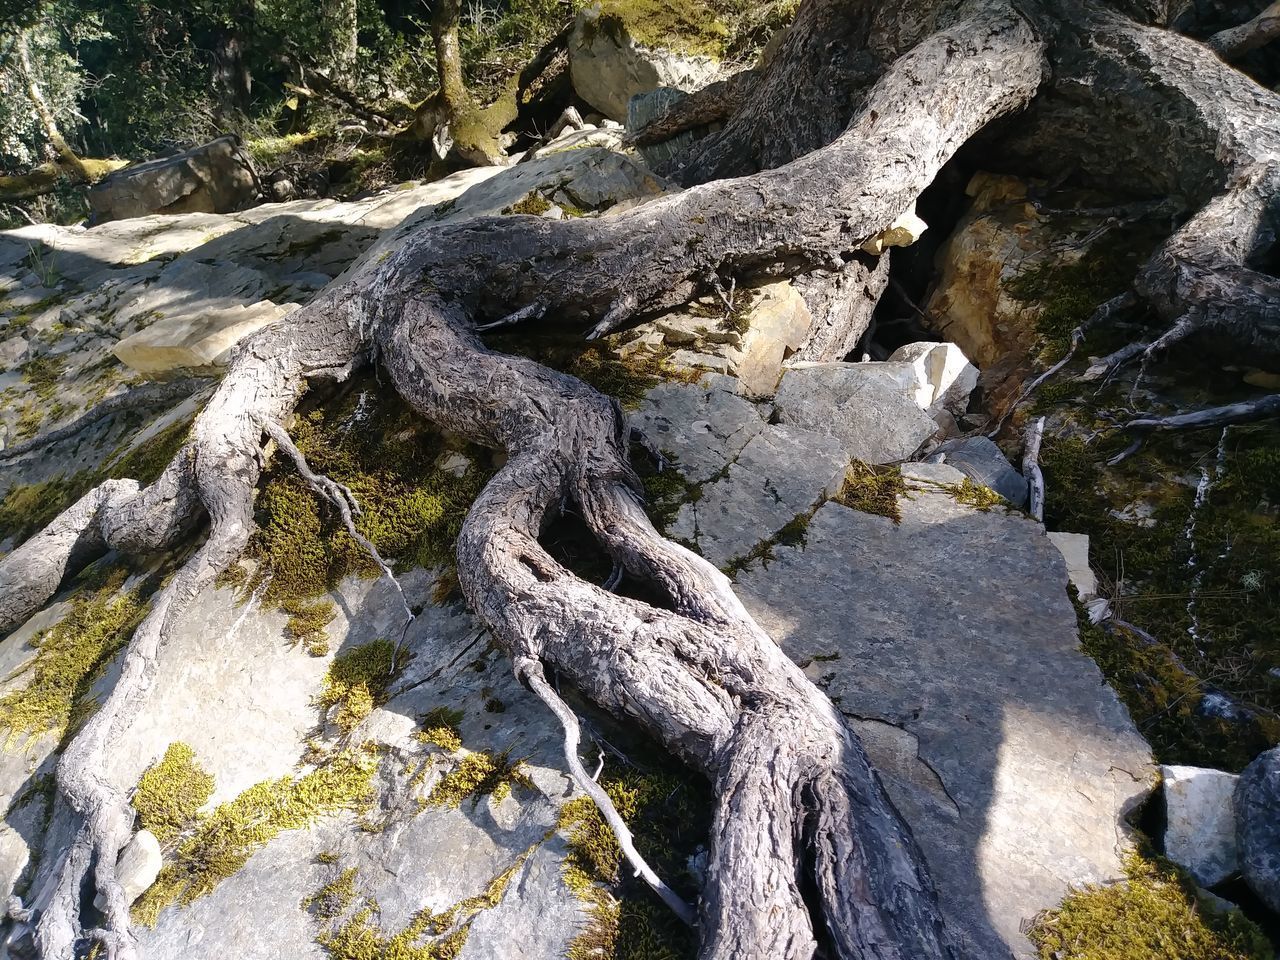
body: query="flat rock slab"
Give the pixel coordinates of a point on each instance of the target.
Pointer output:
(780, 474)
(1200, 832)
(949, 641)
(701, 426)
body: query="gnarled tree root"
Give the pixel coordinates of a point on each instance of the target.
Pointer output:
(799, 808)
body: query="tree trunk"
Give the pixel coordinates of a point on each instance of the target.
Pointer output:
(66, 155)
(345, 18)
(808, 856)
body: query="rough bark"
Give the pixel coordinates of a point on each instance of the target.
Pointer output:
(1235, 42)
(798, 806)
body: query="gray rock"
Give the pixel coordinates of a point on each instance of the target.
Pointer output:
(782, 472)
(1257, 812)
(946, 376)
(13, 350)
(216, 177)
(137, 868)
(981, 460)
(701, 427)
(1200, 832)
(995, 735)
(1075, 551)
(867, 408)
(608, 66)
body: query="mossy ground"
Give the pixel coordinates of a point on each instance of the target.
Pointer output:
(412, 509)
(1152, 915)
(357, 681)
(692, 27)
(353, 921)
(215, 846)
(69, 657)
(171, 793)
(669, 812)
(1233, 644)
(873, 490)
(28, 508)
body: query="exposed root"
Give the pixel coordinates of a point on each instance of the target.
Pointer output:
(1247, 411)
(1235, 42)
(710, 104)
(530, 673)
(1031, 468)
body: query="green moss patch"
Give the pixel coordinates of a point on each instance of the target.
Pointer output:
(1152, 915)
(354, 926)
(532, 204)
(222, 842)
(307, 622)
(668, 812)
(690, 27)
(171, 793)
(69, 657)
(478, 775)
(442, 727)
(873, 490)
(1236, 641)
(412, 510)
(357, 681)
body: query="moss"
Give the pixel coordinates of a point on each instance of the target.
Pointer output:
(1152, 914)
(690, 27)
(477, 775)
(532, 203)
(148, 460)
(443, 728)
(69, 658)
(666, 490)
(793, 533)
(28, 508)
(427, 935)
(268, 152)
(307, 622)
(668, 813)
(42, 375)
(357, 681)
(171, 792)
(976, 495)
(873, 490)
(627, 379)
(1238, 608)
(223, 841)
(412, 511)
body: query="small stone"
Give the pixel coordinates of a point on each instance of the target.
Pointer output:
(1075, 551)
(691, 359)
(454, 464)
(137, 868)
(946, 376)
(939, 473)
(12, 352)
(903, 232)
(1200, 832)
(1263, 379)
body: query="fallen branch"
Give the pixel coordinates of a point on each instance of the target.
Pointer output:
(1031, 468)
(530, 672)
(1246, 411)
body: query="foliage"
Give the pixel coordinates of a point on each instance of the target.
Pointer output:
(307, 622)
(61, 79)
(222, 842)
(171, 792)
(357, 681)
(1152, 915)
(69, 658)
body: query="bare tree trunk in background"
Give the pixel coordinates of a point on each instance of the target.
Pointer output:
(345, 17)
(66, 155)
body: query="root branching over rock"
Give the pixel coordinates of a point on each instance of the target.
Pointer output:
(807, 852)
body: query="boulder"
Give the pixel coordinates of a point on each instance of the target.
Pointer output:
(870, 409)
(195, 343)
(217, 177)
(946, 377)
(1256, 805)
(617, 50)
(949, 642)
(1200, 833)
(981, 460)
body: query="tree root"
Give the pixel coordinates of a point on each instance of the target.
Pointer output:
(798, 805)
(1235, 42)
